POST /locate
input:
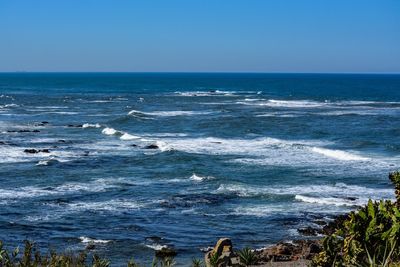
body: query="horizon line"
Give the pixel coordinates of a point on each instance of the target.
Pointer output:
(199, 72)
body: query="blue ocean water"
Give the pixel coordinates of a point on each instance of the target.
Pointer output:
(249, 156)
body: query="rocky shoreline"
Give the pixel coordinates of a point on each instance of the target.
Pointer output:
(292, 253)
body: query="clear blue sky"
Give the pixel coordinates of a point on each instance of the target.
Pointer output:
(200, 35)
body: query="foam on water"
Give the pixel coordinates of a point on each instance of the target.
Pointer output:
(85, 239)
(90, 125)
(168, 113)
(127, 137)
(338, 154)
(110, 131)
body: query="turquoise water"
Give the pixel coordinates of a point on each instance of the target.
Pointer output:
(248, 156)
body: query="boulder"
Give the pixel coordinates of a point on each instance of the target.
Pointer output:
(223, 251)
(152, 146)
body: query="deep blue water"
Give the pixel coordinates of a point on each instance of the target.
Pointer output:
(248, 156)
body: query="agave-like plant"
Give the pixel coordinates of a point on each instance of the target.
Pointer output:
(197, 263)
(214, 259)
(247, 256)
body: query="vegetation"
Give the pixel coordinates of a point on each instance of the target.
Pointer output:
(247, 256)
(368, 237)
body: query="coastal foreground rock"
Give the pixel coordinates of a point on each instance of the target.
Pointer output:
(296, 253)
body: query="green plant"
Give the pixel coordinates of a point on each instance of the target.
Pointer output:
(214, 259)
(247, 256)
(168, 262)
(368, 237)
(395, 178)
(197, 263)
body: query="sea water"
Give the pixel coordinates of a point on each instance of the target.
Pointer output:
(137, 161)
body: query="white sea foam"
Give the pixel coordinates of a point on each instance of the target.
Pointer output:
(199, 178)
(128, 137)
(338, 154)
(329, 201)
(170, 113)
(110, 205)
(339, 190)
(109, 131)
(98, 185)
(85, 239)
(156, 246)
(90, 125)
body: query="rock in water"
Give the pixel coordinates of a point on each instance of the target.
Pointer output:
(166, 252)
(152, 146)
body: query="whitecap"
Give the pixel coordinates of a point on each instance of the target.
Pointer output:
(127, 137)
(85, 239)
(338, 154)
(199, 178)
(90, 125)
(109, 131)
(329, 201)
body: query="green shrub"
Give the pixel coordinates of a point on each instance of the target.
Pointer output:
(247, 256)
(368, 237)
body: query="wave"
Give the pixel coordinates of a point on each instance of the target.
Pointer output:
(98, 185)
(110, 131)
(338, 154)
(329, 201)
(206, 93)
(128, 137)
(168, 113)
(85, 239)
(89, 125)
(199, 178)
(359, 194)
(114, 205)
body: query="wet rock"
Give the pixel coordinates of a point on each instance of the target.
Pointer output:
(2, 143)
(34, 151)
(152, 146)
(75, 125)
(90, 246)
(298, 250)
(45, 122)
(165, 252)
(134, 145)
(61, 141)
(320, 222)
(23, 131)
(31, 151)
(337, 223)
(308, 231)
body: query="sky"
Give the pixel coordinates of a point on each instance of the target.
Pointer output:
(324, 36)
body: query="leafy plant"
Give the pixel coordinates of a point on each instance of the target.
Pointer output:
(214, 259)
(368, 237)
(197, 263)
(247, 256)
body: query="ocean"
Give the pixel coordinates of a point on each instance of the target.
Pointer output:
(137, 161)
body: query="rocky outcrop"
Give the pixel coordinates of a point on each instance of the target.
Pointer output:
(166, 252)
(222, 255)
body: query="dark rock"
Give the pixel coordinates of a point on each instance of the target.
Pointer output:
(2, 143)
(165, 252)
(45, 122)
(320, 222)
(35, 131)
(337, 223)
(86, 153)
(90, 246)
(134, 145)
(61, 141)
(152, 146)
(307, 231)
(31, 151)
(44, 150)
(75, 125)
